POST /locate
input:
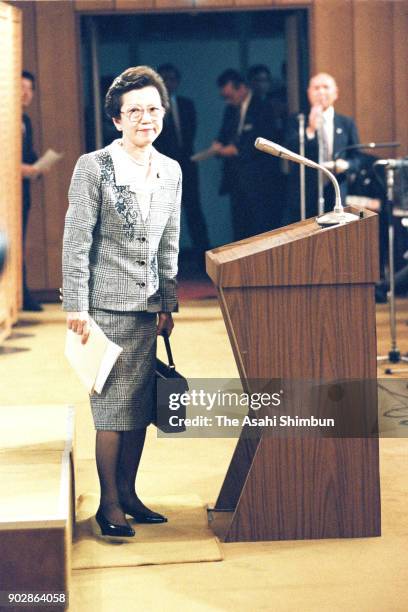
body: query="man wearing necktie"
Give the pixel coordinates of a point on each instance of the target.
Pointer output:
(327, 133)
(177, 141)
(250, 177)
(29, 172)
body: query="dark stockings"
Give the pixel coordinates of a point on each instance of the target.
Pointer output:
(118, 456)
(108, 445)
(131, 452)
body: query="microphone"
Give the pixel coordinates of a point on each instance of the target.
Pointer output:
(367, 145)
(337, 215)
(392, 163)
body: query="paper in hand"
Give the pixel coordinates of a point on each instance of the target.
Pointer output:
(203, 155)
(47, 160)
(94, 360)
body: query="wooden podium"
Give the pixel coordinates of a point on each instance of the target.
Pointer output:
(298, 304)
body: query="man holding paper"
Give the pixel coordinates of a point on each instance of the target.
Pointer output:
(119, 267)
(29, 171)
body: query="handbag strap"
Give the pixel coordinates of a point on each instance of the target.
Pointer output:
(168, 349)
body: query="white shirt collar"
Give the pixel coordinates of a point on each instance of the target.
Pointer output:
(128, 171)
(328, 114)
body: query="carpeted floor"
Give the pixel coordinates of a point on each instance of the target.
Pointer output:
(362, 575)
(186, 538)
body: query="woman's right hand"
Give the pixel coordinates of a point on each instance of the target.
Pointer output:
(79, 323)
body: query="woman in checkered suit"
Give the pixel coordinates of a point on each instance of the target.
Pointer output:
(119, 267)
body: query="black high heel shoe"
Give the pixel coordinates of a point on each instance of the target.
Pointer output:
(148, 517)
(110, 529)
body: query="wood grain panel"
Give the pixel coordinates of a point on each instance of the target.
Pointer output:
(242, 4)
(125, 5)
(373, 53)
(400, 75)
(332, 493)
(331, 35)
(293, 3)
(136, 5)
(204, 4)
(10, 168)
(237, 472)
(174, 4)
(15, 152)
(300, 254)
(313, 339)
(36, 245)
(312, 332)
(94, 5)
(61, 118)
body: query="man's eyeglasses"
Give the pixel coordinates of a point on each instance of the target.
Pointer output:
(136, 114)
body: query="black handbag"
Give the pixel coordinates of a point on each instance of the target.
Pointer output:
(169, 385)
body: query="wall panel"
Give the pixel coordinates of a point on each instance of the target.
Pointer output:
(94, 5)
(243, 4)
(10, 167)
(125, 5)
(400, 75)
(36, 255)
(61, 121)
(373, 63)
(331, 34)
(205, 4)
(174, 4)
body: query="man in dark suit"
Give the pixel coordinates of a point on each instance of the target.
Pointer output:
(177, 141)
(29, 172)
(334, 132)
(251, 178)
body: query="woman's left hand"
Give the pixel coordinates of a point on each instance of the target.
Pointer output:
(165, 322)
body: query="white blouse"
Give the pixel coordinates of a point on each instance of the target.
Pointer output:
(132, 173)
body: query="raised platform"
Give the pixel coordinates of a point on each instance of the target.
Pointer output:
(37, 497)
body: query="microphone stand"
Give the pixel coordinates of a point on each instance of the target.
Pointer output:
(320, 186)
(302, 178)
(367, 145)
(337, 215)
(394, 355)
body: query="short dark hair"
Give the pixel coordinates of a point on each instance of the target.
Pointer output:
(230, 76)
(169, 68)
(28, 75)
(256, 69)
(133, 78)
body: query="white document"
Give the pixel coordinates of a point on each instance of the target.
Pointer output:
(94, 360)
(203, 155)
(47, 160)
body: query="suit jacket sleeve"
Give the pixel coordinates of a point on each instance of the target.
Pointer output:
(225, 135)
(82, 216)
(167, 255)
(189, 121)
(353, 157)
(29, 155)
(292, 139)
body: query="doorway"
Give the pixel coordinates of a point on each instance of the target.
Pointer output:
(201, 45)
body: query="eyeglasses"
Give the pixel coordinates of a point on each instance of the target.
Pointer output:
(136, 114)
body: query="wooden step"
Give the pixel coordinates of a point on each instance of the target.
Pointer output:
(37, 497)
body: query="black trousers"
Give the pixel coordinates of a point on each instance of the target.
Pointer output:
(26, 211)
(191, 205)
(256, 205)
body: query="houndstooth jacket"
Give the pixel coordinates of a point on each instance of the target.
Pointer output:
(111, 256)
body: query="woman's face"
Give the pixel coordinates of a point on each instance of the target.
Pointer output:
(141, 119)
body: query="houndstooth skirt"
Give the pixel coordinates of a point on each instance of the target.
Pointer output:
(126, 401)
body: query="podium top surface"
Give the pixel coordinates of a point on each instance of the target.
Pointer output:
(301, 254)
